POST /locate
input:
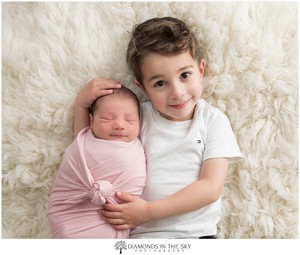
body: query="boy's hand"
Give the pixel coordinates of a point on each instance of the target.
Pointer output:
(94, 89)
(132, 213)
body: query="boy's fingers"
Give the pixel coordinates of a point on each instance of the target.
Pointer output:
(112, 208)
(118, 224)
(102, 88)
(125, 197)
(106, 82)
(111, 84)
(122, 227)
(103, 92)
(113, 221)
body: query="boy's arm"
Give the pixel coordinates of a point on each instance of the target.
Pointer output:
(194, 196)
(94, 89)
(81, 119)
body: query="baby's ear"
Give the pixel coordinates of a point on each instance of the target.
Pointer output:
(91, 119)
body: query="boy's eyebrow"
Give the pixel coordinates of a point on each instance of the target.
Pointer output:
(161, 75)
(185, 67)
(155, 77)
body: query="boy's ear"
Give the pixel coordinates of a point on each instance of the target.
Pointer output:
(139, 85)
(202, 67)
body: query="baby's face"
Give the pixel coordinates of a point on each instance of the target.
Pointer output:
(116, 118)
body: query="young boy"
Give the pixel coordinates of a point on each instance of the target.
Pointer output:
(188, 143)
(104, 158)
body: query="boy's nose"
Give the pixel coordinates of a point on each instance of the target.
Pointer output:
(177, 91)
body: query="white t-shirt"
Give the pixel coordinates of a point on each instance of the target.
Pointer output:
(174, 154)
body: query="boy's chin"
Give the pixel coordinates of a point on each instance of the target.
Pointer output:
(177, 117)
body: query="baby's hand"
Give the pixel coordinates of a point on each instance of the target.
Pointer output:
(94, 89)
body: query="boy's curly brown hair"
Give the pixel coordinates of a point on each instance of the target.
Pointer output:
(165, 36)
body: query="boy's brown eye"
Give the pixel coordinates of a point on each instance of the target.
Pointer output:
(159, 84)
(185, 75)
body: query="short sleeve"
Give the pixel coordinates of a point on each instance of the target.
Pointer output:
(221, 141)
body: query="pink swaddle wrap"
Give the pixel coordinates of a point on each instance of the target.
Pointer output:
(91, 172)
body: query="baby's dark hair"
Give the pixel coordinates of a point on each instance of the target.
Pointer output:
(165, 36)
(123, 91)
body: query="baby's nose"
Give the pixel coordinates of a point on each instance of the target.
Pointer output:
(119, 124)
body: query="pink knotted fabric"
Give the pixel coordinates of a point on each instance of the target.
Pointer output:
(100, 191)
(91, 172)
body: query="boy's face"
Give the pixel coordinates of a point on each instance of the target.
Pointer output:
(173, 84)
(115, 118)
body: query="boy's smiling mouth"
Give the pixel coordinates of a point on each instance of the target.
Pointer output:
(180, 105)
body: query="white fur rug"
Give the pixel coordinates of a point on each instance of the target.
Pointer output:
(51, 50)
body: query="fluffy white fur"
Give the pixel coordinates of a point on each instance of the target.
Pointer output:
(51, 50)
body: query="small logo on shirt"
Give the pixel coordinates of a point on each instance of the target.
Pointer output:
(199, 141)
